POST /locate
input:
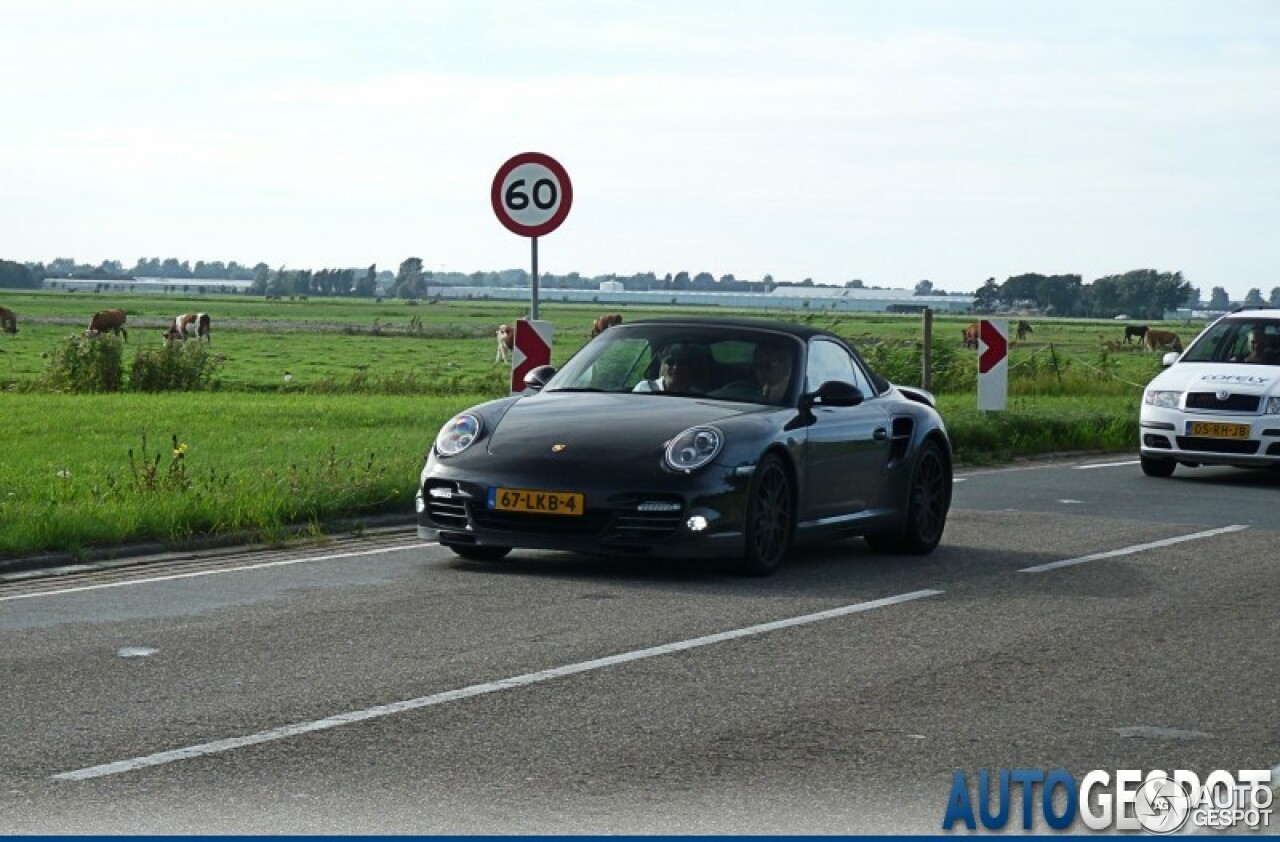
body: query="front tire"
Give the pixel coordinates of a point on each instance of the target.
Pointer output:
(1156, 467)
(771, 518)
(928, 501)
(476, 553)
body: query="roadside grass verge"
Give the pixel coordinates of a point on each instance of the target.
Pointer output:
(93, 470)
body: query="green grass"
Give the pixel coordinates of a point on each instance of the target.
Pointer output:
(85, 470)
(368, 385)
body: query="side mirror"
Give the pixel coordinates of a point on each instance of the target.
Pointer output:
(539, 377)
(1169, 358)
(833, 393)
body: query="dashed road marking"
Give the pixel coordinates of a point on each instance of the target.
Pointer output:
(284, 732)
(1136, 548)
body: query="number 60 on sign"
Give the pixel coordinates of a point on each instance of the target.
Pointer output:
(531, 194)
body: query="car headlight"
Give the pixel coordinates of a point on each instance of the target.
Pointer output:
(1168, 400)
(457, 435)
(1273, 406)
(694, 448)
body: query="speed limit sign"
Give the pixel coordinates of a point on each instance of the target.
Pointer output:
(531, 194)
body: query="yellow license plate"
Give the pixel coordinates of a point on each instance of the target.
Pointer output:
(1213, 430)
(537, 502)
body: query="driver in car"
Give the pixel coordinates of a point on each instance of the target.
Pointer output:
(681, 371)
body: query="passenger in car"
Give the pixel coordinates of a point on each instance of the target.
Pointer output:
(772, 367)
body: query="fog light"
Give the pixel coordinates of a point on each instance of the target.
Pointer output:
(697, 523)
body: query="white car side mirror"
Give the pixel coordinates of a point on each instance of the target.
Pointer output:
(1169, 358)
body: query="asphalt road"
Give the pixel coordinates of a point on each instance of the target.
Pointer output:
(1077, 615)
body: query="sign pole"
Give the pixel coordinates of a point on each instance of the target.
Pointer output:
(533, 309)
(531, 195)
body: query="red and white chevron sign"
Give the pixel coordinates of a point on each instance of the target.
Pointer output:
(993, 364)
(531, 348)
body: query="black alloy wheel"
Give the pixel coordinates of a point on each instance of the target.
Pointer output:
(928, 501)
(770, 523)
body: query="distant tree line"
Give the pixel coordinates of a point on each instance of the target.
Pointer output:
(1141, 293)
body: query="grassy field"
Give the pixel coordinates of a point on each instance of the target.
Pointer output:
(325, 408)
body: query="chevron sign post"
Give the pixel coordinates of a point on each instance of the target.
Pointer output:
(530, 348)
(993, 364)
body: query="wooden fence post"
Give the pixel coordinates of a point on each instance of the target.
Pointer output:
(926, 372)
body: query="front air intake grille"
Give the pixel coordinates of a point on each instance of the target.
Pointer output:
(643, 527)
(447, 509)
(589, 523)
(1205, 445)
(1234, 402)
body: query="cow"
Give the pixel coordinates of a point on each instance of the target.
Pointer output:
(969, 335)
(8, 320)
(1138, 332)
(190, 324)
(603, 323)
(1023, 329)
(506, 341)
(108, 320)
(1157, 339)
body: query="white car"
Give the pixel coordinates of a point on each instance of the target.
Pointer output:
(1217, 403)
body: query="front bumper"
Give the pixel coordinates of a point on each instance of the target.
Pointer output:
(662, 516)
(1164, 434)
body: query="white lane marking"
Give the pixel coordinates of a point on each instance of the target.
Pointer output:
(1136, 548)
(1067, 501)
(1106, 465)
(232, 743)
(136, 652)
(958, 479)
(193, 574)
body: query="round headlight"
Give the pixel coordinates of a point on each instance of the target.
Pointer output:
(694, 448)
(457, 435)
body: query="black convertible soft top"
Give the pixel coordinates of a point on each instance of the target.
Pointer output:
(799, 331)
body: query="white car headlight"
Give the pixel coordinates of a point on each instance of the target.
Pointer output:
(1273, 406)
(694, 448)
(457, 435)
(1168, 400)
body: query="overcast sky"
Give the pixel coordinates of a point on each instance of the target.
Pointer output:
(890, 141)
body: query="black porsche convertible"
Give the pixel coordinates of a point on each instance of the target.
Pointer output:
(693, 437)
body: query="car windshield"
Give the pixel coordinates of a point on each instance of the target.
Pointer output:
(1248, 341)
(729, 363)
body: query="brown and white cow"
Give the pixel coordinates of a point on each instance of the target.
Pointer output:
(108, 320)
(8, 320)
(506, 341)
(1157, 339)
(969, 335)
(190, 324)
(603, 323)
